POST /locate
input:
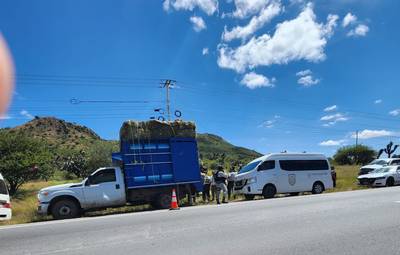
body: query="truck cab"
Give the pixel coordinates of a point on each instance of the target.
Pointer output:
(103, 188)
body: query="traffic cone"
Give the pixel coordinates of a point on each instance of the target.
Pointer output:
(174, 201)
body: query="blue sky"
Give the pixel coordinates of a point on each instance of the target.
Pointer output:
(269, 75)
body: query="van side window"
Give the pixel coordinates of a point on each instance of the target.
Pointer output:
(106, 175)
(303, 165)
(266, 165)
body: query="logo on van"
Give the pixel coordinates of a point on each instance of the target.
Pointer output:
(292, 179)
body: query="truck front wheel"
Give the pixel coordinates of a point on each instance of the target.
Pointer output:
(164, 201)
(65, 209)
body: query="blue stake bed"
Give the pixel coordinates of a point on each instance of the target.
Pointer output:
(152, 163)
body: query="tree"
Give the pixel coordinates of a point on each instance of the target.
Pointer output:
(83, 162)
(23, 159)
(389, 150)
(74, 162)
(350, 155)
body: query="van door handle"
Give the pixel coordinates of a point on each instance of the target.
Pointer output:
(116, 186)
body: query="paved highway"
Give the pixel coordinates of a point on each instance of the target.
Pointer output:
(358, 222)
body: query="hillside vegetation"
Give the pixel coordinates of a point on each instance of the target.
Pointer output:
(64, 137)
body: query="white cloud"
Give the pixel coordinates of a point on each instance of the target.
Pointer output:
(205, 51)
(246, 8)
(26, 114)
(349, 19)
(368, 134)
(257, 22)
(308, 81)
(332, 119)
(337, 116)
(207, 6)
(360, 30)
(5, 117)
(253, 81)
(304, 73)
(331, 108)
(332, 143)
(378, 101)
(395, 112)
(270, 123)
(299, 39)
(198, 23)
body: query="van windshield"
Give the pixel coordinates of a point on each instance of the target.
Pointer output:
(249, 167)
(3, 188)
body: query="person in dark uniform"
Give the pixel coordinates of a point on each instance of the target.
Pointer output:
(220, 183)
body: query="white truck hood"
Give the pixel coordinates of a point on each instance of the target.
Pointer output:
(62, 186)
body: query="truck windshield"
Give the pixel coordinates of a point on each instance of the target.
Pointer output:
(249, 167)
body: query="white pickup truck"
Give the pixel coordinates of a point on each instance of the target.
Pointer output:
(104, 188)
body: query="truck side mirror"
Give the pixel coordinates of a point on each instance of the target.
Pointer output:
(332, 168)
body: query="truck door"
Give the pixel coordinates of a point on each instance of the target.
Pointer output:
(103, 189)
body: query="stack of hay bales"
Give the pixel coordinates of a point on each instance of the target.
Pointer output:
(156, 130)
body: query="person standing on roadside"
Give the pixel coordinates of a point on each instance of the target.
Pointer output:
(206, 184)
(213, 187)
(220, 178)
(231, 183)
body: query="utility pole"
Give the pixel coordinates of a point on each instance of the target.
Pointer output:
(167, 85)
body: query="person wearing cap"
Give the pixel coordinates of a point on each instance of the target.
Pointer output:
(220, 183)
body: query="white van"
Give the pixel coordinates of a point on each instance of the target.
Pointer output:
(5, 206)
(284, 173)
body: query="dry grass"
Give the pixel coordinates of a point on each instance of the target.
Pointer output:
(346, 178)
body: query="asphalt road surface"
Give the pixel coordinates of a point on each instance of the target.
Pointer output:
(358, 222)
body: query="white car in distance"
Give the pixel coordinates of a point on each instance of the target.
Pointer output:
(5, 205)
(381, 177)
(379, 163)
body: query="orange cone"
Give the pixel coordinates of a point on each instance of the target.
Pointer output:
(174, 201)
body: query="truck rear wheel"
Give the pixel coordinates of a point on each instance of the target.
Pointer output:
(65, 209)
(163, 201)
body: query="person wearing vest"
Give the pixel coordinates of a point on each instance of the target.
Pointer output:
(220, 182)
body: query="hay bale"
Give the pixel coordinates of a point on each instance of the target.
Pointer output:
(154, 129)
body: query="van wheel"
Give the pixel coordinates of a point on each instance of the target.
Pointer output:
(249, 196)
(65, 209)
(317, 188)
(269, 191)
(390, 182)
(164, 201)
